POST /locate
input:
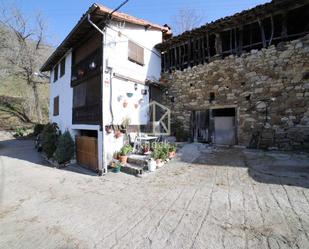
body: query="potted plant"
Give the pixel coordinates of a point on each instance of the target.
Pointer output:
(146, 149)
(158, 156)
(123, 153)
(171, 151)
(117, 167)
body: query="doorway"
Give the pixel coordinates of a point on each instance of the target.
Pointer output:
(216, 125)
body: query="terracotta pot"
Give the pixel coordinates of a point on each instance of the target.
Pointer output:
(159, 163)
(123, 159)
(171, 154)
(125, 104)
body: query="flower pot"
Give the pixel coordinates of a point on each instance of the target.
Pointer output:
(171, 154)
(123, 159)
(152, 165)
(125, 104)
(117, 169)
(159, 163)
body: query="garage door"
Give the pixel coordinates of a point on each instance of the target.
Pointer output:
(87, 152)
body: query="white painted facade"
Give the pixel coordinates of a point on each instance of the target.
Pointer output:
(129, 88)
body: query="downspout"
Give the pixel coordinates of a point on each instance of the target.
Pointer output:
(104, 166)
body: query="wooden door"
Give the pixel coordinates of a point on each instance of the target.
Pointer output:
(87, 152)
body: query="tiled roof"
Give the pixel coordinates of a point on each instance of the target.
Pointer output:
(130, 19)
(98, 14)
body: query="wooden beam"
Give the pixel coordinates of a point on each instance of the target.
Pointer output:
(272, 30)
(262, 33)
(218, 44)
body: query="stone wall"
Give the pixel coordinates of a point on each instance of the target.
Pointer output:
(276, 77)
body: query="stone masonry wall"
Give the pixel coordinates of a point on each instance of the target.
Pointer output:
(277, 77)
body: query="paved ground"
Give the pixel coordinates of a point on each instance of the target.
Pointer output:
(209, 198)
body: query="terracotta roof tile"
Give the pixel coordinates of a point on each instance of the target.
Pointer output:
(130, 19)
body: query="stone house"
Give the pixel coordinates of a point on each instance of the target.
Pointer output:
(242, 79)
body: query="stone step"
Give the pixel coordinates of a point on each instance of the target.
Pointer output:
(140, 160)
(133, 169)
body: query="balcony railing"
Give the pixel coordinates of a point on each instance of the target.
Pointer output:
(87, 114)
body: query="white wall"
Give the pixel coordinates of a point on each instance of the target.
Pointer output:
(62, 88)
(116, 57)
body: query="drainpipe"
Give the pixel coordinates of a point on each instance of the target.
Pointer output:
(104, 166)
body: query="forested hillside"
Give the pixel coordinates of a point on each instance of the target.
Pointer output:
(24, 91)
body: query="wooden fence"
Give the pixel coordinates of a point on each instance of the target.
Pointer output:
(87, 152)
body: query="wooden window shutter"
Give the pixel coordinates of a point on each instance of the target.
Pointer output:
(136, 53)
(56, 106)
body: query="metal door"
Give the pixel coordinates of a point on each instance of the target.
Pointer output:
(225, 130)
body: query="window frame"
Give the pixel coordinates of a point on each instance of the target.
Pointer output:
(56, 107)
(56, 71)
(62, 67)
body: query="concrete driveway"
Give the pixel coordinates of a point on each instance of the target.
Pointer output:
(208, 198)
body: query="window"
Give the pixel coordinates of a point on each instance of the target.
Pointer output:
(56, 106)
(56, 73)
(62, 67)
(136, 53)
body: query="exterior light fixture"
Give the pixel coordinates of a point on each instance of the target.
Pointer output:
(166, 92)
(92, 65)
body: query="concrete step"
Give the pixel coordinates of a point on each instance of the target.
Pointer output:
(133, 169)
(140, 160)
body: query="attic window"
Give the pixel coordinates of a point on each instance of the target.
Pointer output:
(136, 53)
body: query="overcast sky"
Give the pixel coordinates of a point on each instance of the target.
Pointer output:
(62, 15)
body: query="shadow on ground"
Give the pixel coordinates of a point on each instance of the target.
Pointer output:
(269, 167)
(24, 150)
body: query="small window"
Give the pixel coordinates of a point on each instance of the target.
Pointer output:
(56, 73)
(56, 106)
(62, 67)
(136, 53)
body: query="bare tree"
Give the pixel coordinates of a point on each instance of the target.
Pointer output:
(186, 19)
(24, 50)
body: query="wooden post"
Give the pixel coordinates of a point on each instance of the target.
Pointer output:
(207, 44)
(189, 52)
(240, 41)
(262, 32)
(284, 32)
(218, 44)
(272, 30)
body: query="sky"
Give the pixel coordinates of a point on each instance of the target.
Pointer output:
(62, 15)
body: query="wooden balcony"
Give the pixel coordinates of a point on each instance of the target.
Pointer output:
(87, 115)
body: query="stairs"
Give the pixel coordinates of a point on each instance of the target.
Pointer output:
(137, 165)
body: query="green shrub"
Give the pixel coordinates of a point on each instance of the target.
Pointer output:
(37, 129)
(65, 148)
(160, 151)
(125, 150)
(20, 132)
(50, 136)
